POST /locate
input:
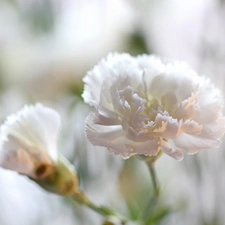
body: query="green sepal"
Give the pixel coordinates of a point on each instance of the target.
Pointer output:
(63, 180)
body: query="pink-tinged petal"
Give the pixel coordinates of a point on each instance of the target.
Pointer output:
(191, 127)
(148, 148)
(166, 127)
(169, 128)
(17, 156)
(194, 143)
(186, 110)
(114, 138)
(137, 136)
(171, 151)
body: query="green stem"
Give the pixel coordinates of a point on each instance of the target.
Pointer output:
(81, 198)
(154, 179)
(156, 192)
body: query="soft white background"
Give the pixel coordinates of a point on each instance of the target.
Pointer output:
(47, 65)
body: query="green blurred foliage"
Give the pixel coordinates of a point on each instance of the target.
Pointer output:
(136, 44)
(40, 16)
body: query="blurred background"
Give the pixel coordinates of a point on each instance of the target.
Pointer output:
(47, 46)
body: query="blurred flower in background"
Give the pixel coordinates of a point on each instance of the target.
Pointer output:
(54, 42)
(47, 46)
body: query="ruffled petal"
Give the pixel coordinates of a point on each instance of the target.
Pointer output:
(169, 128)
(172, 151)
(114, 138)
(114, 65)
(186, 110)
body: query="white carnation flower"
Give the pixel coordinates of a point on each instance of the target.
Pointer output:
(146, 104)
(28, 141)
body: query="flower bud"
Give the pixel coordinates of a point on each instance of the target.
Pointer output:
(28, 145)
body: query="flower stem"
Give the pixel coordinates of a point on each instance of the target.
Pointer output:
(154, 179)
(81, 198)
(156, 191)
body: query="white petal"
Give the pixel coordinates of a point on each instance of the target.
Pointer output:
(210, 102)
(106, 117)
(214, 129)
(115, 64)
(151, 66)
(178, 78)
